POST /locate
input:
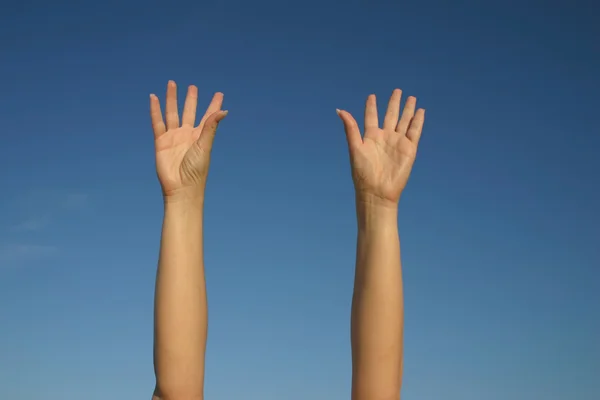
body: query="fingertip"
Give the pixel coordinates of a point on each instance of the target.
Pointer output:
(171, 83)
(371, 102)
(344, 115)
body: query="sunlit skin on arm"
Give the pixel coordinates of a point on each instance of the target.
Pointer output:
(180, 309)
(381, 163)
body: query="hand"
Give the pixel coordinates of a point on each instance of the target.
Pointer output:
(382, 160)
(183, 151)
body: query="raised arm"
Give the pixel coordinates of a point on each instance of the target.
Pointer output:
(381, 164)
(180, 311)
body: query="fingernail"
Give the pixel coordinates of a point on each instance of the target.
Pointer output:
(338, 111)
(225, 112)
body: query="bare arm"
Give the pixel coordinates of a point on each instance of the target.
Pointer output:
(180, 308)
(381, 164)
(377, 305)
(180, 313)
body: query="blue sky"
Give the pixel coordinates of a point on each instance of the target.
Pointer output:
(499, 222)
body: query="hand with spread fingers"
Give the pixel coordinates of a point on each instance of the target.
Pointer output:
(383, 158)
(381, 163)
(183, 149)
(180, 306)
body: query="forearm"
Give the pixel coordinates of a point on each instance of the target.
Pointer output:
(180, 315)
(377, 305)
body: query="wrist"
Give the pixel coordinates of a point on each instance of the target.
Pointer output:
(188, 217)
(185, 199)
(190, 209)
(375, 213)
(370, 201)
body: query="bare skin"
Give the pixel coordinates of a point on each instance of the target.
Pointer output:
(381, 163)
(180, 309)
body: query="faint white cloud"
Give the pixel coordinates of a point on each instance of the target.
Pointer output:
(51, 199)
(11, 254)
(33, 224)
(42, 207)
(32, 214)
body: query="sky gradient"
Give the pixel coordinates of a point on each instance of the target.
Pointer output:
(499, 222)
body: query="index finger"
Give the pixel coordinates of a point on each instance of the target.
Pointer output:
(416, 126)
(215, 105)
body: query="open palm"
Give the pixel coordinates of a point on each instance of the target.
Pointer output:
(183, 151)
(383, 159)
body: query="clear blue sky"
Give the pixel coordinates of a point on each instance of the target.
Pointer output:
(499, 222)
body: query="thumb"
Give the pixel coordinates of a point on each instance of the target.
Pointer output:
(209, 130)
(351, 128)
